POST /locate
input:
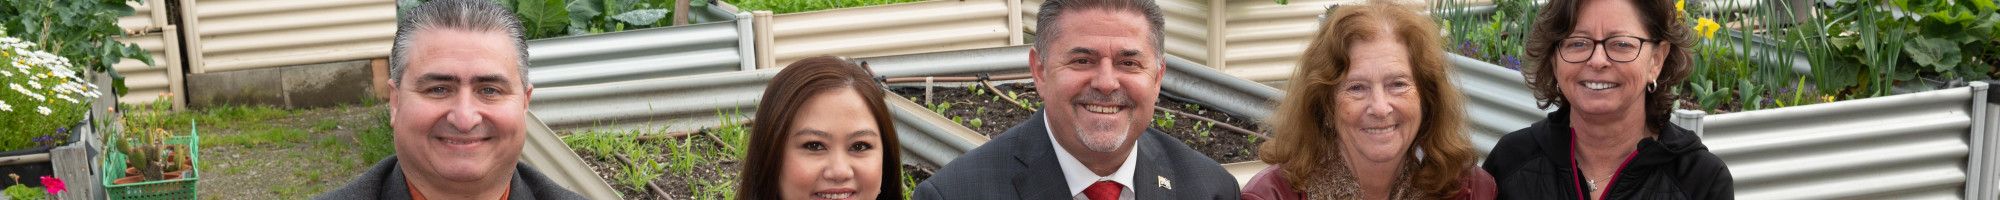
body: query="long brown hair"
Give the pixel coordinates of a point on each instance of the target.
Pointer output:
(1558, 19)
(788, 91)
(1303, 135)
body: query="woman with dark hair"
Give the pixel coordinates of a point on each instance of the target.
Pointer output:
(1371, 114)
(1606, 66)
(822, 132)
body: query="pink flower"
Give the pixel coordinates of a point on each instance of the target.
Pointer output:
(53, 184)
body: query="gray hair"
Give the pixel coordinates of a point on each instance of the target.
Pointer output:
(1052, 11)
(465, 15)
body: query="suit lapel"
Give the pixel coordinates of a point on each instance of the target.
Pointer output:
(1041, 176)
(1153, 179)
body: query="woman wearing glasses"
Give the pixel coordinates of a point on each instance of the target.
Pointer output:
(1607, 66)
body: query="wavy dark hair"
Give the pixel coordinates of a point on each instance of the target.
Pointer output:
(1558, 19)
(788, 91)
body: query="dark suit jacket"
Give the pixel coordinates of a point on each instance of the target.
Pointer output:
(1021, 164)
(386, 181)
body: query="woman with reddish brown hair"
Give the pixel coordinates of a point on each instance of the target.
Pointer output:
(1371, 114)
(822, 131)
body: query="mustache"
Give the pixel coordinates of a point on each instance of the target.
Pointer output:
(1115, 97)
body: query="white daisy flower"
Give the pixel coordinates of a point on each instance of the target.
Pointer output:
(43, 109)
(5, 107)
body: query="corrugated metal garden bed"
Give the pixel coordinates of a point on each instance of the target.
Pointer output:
(991, 112)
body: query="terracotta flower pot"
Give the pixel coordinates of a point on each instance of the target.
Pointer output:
(129, 180)
(132, 175)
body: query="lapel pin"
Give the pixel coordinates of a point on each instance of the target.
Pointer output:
(1167, 184)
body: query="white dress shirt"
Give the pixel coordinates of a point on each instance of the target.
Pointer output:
(1080, 177)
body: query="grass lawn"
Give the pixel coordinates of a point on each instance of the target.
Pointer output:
(272, 153)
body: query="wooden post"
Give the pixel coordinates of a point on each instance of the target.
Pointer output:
(380, 78)
(75, 167)
(680, 12)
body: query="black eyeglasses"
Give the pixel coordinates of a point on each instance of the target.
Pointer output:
(1617, 48)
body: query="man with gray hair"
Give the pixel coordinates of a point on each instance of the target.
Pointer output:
(1098, 65)
(460, 115)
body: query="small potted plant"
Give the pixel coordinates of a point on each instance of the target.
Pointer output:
(148, 161)
(51, 188)
(150, 158)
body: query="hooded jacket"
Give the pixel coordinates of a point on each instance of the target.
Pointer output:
(1536, 163)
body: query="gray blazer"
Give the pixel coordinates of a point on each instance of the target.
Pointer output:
(1021, 164)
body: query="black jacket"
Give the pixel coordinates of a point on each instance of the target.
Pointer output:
(1535, 163)
(386, 181)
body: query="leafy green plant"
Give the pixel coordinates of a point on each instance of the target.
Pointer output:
(1024, 102)
(1883, 44)
(1201, 129)
(715, 189)
(733, 131)
(976, 123)
(642, 172)
(909, 183)
(940, 107)
(22, 191)
(1164, 120)
(796, 6)
(616, 145)
(557, 18)
(682, 156)
(80, 30)
(1496, 38)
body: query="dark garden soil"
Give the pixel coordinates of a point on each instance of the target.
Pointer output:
(988, 113)
(713, 174)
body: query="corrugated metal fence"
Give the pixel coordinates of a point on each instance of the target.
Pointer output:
(1912, 146)
(229, 35)
(1258, 40)
(659, 52)
(605, 80)
(160, 39)
(1497, 100)
(896, 29)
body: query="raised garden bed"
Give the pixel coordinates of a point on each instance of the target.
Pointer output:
(661, 165)
(699, 164)
(989, 113)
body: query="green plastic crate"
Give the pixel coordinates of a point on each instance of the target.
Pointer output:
(183, 188)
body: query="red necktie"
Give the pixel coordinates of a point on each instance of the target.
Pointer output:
(1103, 190)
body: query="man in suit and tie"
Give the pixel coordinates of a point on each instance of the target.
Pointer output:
(1098, 65)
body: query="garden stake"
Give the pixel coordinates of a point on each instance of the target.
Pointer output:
(1010, 99)
(1225, 126)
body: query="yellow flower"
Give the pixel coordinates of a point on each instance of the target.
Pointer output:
(1706, 27)
(1680, 6)
(1828, 98)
